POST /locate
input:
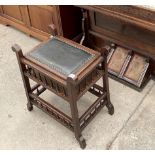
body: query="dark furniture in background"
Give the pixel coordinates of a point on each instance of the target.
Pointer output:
(131, 27)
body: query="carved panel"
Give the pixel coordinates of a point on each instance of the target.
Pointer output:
(47, 82)
(88, 80)
(138, 12)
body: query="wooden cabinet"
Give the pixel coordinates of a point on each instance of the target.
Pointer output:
(123, 33)
(130, 27)
(33, 20)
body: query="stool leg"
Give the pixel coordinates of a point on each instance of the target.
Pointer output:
(25, 79)
(106, 82)
(76, 124)
(106, 88)
(74, 113)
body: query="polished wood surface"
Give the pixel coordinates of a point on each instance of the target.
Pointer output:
(13, 12)
(40, 18)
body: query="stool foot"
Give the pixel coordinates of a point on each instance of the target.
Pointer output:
(110, 108)
(6, 24)
(29, 107)
(82, 142)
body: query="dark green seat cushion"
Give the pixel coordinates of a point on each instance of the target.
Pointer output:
(61, 56)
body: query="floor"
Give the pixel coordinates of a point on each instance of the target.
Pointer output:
(131, 127)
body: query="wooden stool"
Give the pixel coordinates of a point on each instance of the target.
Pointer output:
(69, 70)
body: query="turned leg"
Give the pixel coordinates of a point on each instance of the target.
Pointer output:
(74, 110)
(25, 79)
(76, 124)
(109, 105)
(110, 108)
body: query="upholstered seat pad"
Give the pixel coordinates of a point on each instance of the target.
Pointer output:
(61, 56)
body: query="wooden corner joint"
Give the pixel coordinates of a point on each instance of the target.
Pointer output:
(104, 52)
(16, 48)
(71, 78)
(53, 29)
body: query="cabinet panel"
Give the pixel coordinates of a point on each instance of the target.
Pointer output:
(1, 11)
(122, 33)
(119, 27)
(12, 11)
(41, 17)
